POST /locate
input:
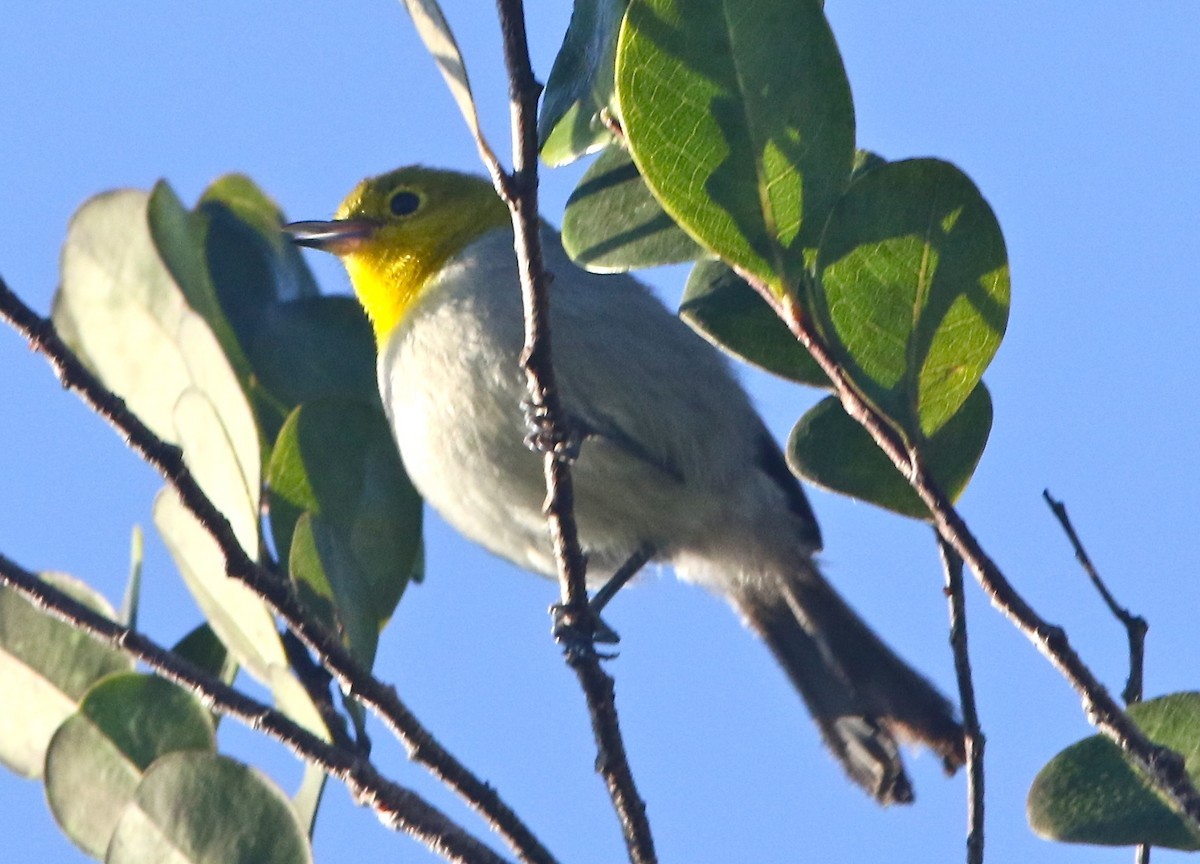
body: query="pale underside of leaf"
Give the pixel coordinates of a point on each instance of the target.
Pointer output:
(235, 612)
(46, 666)
(439, 40)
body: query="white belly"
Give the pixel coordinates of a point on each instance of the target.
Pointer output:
(668, 464)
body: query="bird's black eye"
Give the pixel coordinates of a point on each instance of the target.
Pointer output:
(404, 203)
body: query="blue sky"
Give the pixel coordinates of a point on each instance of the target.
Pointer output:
(1080, 130)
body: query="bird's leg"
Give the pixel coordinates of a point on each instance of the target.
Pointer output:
(618, 580)
(601, 632)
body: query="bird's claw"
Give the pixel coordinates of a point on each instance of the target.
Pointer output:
(545, 436)
(578, 635)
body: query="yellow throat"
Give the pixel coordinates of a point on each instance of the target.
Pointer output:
(395, 232)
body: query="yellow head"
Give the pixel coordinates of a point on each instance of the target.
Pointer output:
(395, 232)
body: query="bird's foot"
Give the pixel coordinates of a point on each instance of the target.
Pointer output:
(579, 633)
(544, 436)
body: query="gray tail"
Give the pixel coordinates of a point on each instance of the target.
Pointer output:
(864, 698)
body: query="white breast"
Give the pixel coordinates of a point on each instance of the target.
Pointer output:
(673, 459)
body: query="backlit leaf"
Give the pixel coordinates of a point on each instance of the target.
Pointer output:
(738, 114)
(913, 289)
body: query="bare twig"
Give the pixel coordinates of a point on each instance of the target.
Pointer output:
(520, 192)
(554, 437)
(397, 807)
(1135, 625)
(574, 623)
(382, 699)
(975, 740)
(1161, 765)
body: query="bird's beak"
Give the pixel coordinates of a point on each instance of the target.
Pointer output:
(341, 236)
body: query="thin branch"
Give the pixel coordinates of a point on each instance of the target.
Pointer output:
(1161, 765)
(554, 437)
(382, 699)
(397, 807)
(1135, 625)
(975, 741)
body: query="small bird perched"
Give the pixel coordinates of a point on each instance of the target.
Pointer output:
(674, 466)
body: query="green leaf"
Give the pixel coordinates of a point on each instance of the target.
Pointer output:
(240, 197)
(252, 264)
(612, 223)
(224, 462)
(723, 308)
(332, 585)
(96, 758)
(46, 666)
(237, 615)
(1089, 793)
(234, 266)
(864, 161)
(580, 85)
(831, 450)
(229, 256)
(336, 459)
(179, 240)
(358, 716)
(200, 808)
(312, 348)
(206, 652)
(738, 114)
(913, 289)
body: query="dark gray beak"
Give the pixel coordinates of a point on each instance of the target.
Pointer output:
(340, 236)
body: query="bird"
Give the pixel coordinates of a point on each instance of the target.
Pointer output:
(674, 464)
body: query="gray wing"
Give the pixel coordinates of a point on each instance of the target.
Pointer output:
(640, 381)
